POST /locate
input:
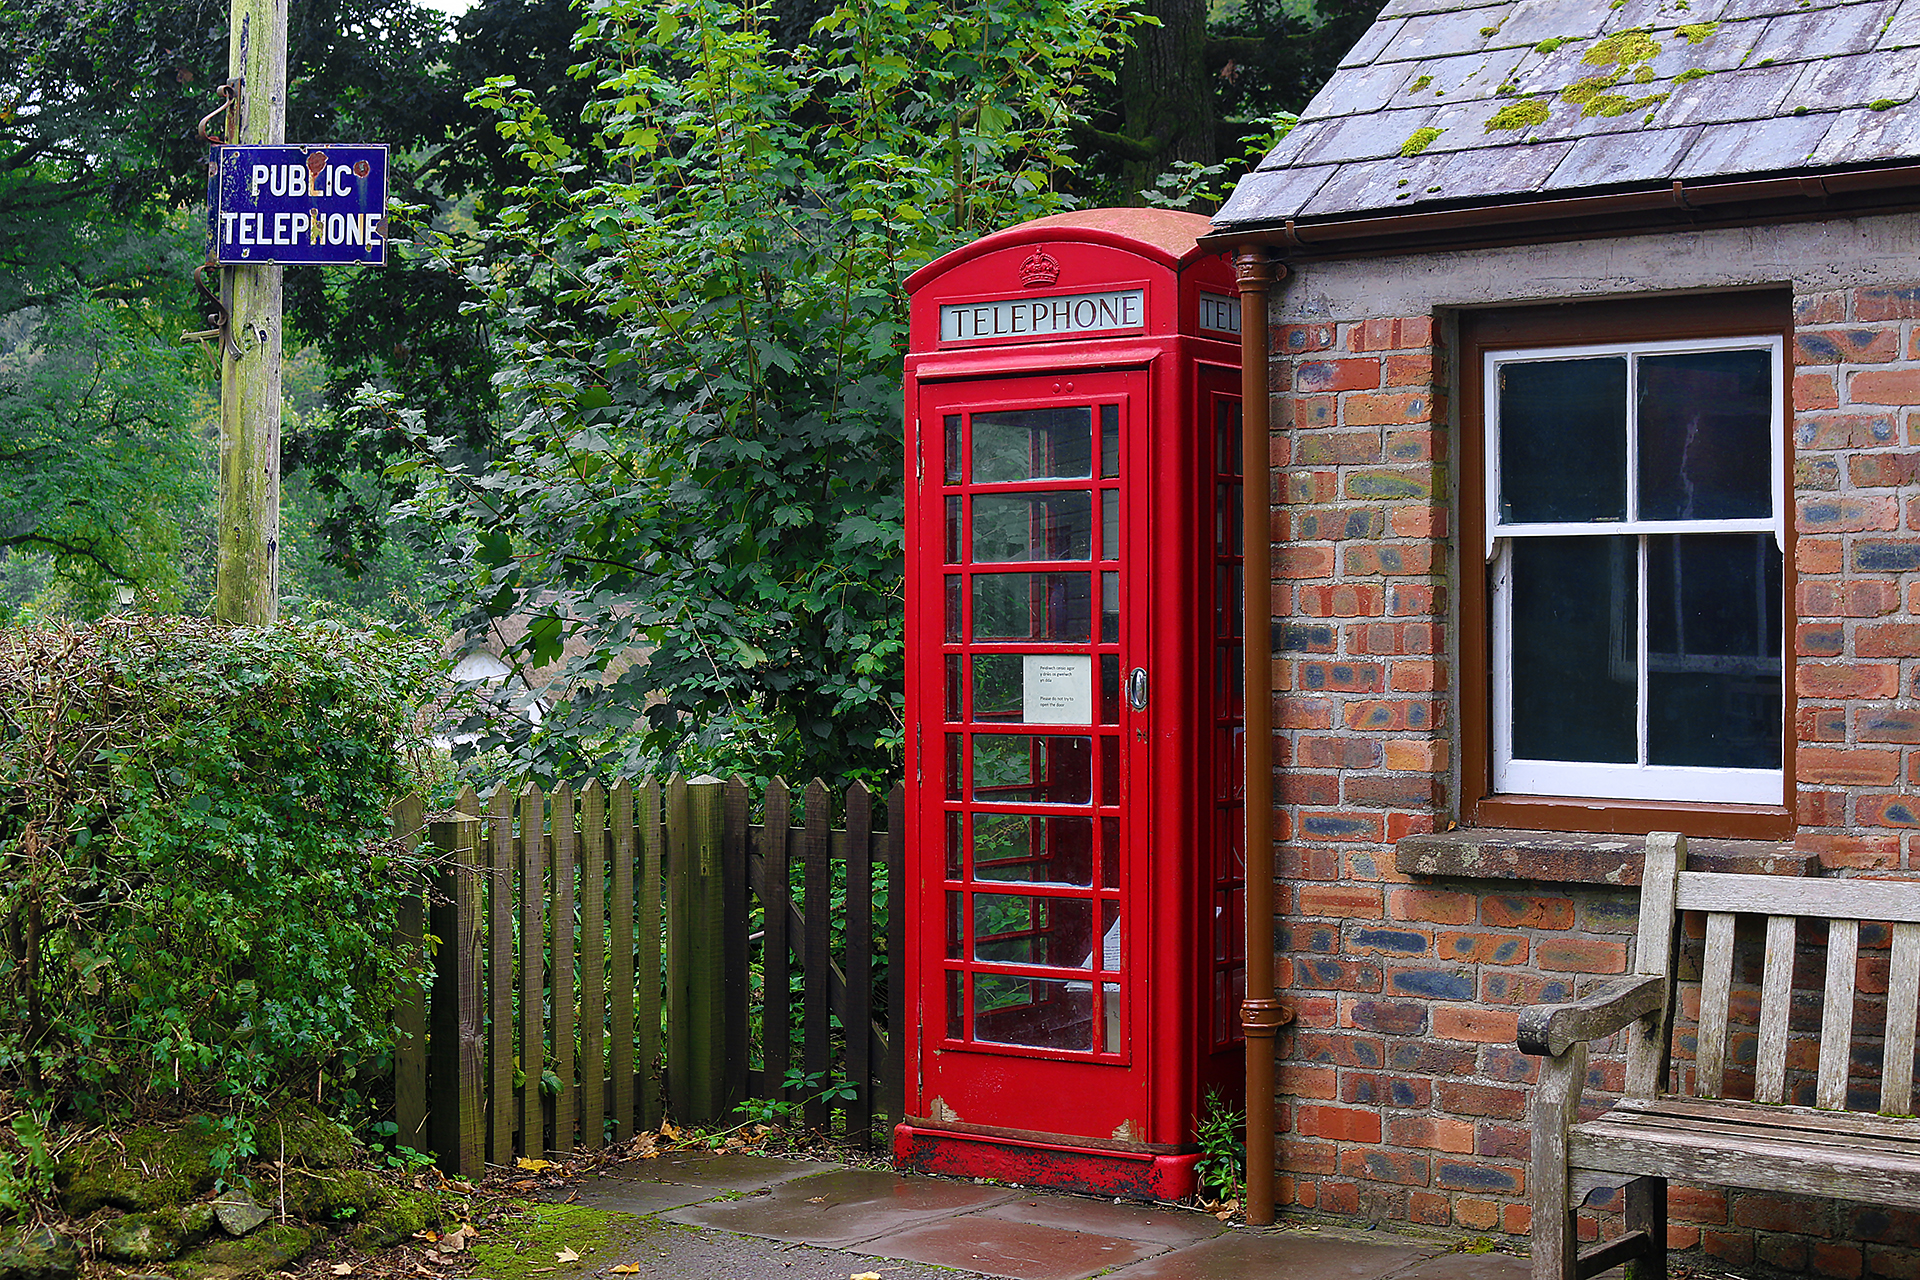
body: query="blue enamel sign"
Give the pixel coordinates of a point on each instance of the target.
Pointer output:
(301, 205)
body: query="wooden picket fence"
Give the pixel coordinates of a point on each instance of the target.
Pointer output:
(594, 955)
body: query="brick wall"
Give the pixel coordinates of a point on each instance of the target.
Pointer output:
(1402, 1096)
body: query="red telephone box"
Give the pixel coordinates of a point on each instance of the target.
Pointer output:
(1075, 958)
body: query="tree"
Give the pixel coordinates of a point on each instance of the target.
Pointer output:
(699, 486)
(100, 466)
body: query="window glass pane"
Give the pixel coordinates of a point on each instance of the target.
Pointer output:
(954, 778)
(951, 425)
(1033, 444)
(1017, 929)
(954, 710)
(955, 846)
(1109, 770)
(956, 924)
(1019, 846)
(1574, 666)
(1109, 440)
(1706, 435)
(1110, 843)
(1033, 526)
(1022, 768)
(956, 1006)
(1109, 607)
(1109, 688)
(1043, 1013)
(1713, 659)
(1109, 524)
(1113, 1037)
(953, 531)
(953, 607)
(1035, 688)
(1032, 606)
(1563, 440)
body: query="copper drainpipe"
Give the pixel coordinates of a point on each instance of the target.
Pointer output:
(1260, 1014)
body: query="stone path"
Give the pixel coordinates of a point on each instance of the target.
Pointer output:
(745, 1217)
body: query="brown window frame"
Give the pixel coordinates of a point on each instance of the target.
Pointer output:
(1673, 317)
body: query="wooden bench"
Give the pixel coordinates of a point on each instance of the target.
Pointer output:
(1652, 1134)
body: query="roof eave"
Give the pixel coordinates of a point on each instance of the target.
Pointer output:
(1678, 207)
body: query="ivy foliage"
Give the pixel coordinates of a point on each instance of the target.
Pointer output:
(196, 891)
(694, 511)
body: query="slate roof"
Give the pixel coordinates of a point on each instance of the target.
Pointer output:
(1446, 103)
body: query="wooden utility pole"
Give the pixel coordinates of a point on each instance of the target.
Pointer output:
(248, 590)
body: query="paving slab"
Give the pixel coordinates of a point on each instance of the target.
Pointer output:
(842, 1207)
(630, 1195)
(1102, 1217)
(1279, 1255)
(1017, 1250)
(1469, 1266)
(721, 1170)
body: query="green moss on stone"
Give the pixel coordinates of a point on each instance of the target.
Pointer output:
(1613, 104)
(1691, 73)
(1419, 141)
(1883, 104)
(1623, 49)
(532, 1241)
(1697, 32)
(1523, 114)
(252, 1257)
(398, 1215)
(151, 1168)
(1419, 84)
(1554, 42)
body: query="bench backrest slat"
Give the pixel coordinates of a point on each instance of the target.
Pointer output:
(1649, 1050)
(1776, 1004)
(1716, 984)
(1836, 1017)
(1888, 900)
(1903, 1010)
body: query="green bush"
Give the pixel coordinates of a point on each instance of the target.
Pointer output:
(196, 888)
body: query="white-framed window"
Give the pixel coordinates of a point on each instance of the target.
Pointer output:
(1635, 530)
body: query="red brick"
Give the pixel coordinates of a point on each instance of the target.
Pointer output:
(1341, 901)
(1336, 524)
(1847, 766)
(1391, 715)
(1820, 724)
(1817, 472)
(1435, 906)
(1775, 1213)
(1298, 787)
(1433, 755)
(1336, 375)
(1431, 1133)
(1847, 514)
(1820, 308)
(1299, 338)
(1819, 555)
(1887, 640)
(1828, 431)
(1887, 811)
(1846, 346)
(1843, 1260)
(1410, 369)
(1581, 955)
(1696, 1204)
(1824, 598)
(1296, 1155)
(1303, 713)
(1388, 334)
(1815, 391)
(1340, 677)
(1847, 680)
(1414, 559)
(1343, 600)
(1416, 521)
(1343, 752)
(1516, 1219)
(1476, 1214)
(1341, 826)
(1457, 1097)
(1391, 791)
(1296, 561)
(1412, 676)
(1884, 386)
(1299, 1081)
(1821, 808)
(1387, 639)
(1883, 470)
(1320, 486)
(1386, 408)
(1886, 724)
(1881, 303)
(1477, 946)
(1340, 1124)
(1475, 1024)
(1729, 1246)
(1819, 639)
(1429, 1209)
(1851, 851)
(1341, 448)
(1521, 911)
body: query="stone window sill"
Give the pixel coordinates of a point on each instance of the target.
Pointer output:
(1483, 853)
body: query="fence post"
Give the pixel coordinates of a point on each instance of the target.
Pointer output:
(410, 1010)
(458, 1125)
(696, 967)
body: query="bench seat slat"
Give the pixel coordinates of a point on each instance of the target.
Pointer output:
(1872, 1159)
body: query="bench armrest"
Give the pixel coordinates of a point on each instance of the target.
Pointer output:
(1548, 1030)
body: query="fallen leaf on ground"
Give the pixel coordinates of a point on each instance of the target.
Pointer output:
(343, 1268)
(534, 1166)
(626, 1269)
(865, 1275)
(566, 1255)
(816, 1199)
(457, 1239)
